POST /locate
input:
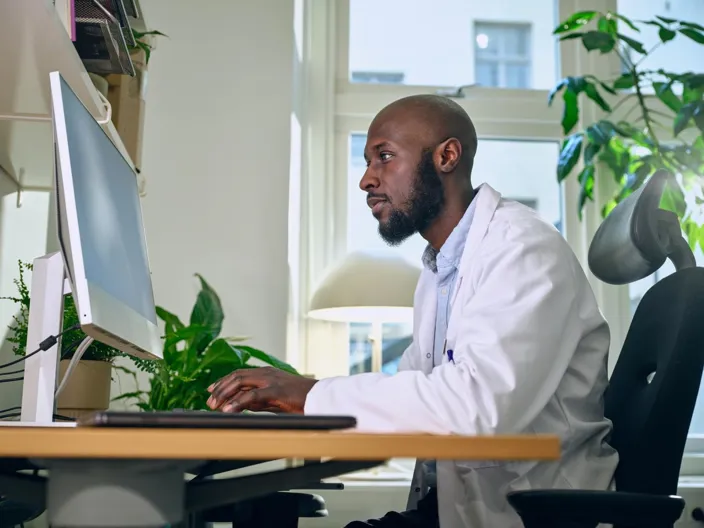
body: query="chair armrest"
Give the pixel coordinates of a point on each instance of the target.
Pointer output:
(591, 507)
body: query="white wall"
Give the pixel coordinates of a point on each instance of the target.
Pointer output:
(22, 236)
(216, 159)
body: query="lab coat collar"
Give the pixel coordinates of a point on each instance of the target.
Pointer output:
(487, 201)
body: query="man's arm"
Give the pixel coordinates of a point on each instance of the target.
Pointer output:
(517, 336)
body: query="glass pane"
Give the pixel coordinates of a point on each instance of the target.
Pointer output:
(390, 42)
(679, 55)
(517, 76)
(487, 73)
(519, 170)
(395, 339)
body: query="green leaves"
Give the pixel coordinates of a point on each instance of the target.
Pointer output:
(625, 82)
(143, 45)
(575, 21)
(634, 148)
(695, 35)
(208, 314)
(586, 188)
(195, 357)
(634, 44)
(667, 96)
(598, 40)
(690, 111)
(571, 88)
(569, 155)
(267, 359)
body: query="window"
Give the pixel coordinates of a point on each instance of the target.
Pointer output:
(453, 43)
(395, 339)
(502, 55)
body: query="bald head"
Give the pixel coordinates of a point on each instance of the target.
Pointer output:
(429, 120)
(419, 152)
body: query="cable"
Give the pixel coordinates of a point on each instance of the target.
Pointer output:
(10, 409)
(9, 380)
(43, 346)
(85, 344)
(11, 372)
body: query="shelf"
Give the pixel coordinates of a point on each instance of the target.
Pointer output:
(34, 43)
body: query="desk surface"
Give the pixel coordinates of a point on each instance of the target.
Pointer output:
(199, 444)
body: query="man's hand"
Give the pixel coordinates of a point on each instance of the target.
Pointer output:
(260, 389)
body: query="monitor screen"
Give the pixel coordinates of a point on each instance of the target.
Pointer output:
(101, 231)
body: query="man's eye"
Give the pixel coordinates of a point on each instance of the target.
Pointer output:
(385, 156)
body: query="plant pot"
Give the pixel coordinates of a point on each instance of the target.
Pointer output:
(87, 390)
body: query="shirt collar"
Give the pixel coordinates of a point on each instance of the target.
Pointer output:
(451, 251)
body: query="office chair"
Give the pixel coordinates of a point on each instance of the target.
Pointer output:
(653, 389)
(13, 514)
(281, 509)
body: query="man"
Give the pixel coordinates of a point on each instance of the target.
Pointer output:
(507, 334)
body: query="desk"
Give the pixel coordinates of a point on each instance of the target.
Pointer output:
(135, 477)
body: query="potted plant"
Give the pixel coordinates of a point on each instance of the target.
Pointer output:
(144, 43)
(195, 356)
(645, 138)
(88, 388)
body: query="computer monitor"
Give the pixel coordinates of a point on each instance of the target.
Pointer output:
(103, 259)
(100, 230)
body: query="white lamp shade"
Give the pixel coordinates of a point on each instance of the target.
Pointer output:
(367, 287)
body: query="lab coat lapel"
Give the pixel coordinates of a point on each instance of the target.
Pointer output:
(426, 306)
(487, 202)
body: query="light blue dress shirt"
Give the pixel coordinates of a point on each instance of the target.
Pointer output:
(445, 265)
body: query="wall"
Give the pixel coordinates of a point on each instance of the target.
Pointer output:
(22, 237)
(216, 160)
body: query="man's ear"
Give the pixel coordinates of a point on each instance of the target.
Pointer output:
(447, 155)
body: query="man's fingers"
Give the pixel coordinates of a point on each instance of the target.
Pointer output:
(251, 400)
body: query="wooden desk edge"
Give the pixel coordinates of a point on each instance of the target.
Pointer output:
(231, 444)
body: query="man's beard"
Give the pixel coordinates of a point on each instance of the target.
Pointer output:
(424, 204)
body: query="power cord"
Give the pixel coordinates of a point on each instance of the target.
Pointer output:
(85, 344)
(43, 346)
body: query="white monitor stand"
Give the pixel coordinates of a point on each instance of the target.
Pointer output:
(49, 285)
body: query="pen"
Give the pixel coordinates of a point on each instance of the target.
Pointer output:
(450, 354)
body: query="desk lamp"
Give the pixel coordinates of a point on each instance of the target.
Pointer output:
(367, 287)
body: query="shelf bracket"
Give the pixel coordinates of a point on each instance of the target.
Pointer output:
(17, 182)
(24, 117)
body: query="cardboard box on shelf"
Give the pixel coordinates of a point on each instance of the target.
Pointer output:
(127, 98)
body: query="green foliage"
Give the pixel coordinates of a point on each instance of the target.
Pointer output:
(195, 356)
(142, 44)
(69, 341)
(635, 146)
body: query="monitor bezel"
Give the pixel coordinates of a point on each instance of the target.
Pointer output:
(101, 316)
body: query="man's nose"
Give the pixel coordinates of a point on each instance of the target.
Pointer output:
(369, 180)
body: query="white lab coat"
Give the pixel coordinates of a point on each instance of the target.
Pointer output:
(530, 357)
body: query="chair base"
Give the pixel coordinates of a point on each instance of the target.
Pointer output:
(280, 510)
